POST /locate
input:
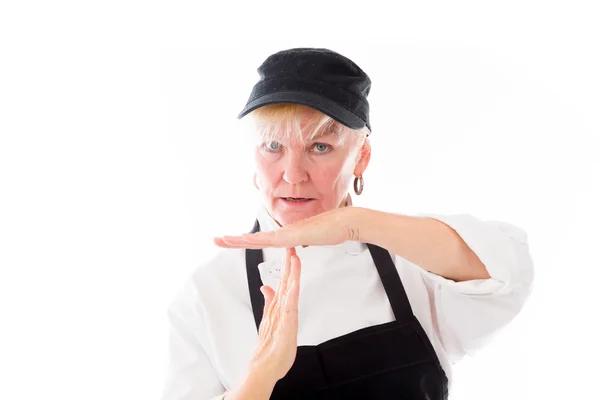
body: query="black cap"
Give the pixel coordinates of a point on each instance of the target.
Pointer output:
(314, 77)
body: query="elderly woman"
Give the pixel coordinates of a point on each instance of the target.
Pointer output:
(323, 300)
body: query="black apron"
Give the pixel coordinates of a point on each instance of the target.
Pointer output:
(394, 360)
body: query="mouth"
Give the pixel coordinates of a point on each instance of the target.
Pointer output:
(296, 200)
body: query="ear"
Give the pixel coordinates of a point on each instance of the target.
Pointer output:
(365, 157)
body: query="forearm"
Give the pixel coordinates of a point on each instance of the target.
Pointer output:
(424, 241)
(255, 386)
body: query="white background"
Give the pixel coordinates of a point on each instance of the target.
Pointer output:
(120, 158)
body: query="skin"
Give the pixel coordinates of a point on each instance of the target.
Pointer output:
(320, 169)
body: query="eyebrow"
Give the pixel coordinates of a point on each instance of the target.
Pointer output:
(324, 134)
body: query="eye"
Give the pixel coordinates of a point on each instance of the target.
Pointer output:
(322, 147)
(272, 146)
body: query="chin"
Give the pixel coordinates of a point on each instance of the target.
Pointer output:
(289, 218)
(286, 216)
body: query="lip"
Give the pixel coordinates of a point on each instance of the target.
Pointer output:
(289, 203)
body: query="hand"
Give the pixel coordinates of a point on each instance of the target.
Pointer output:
(278, 330)
(328, 228)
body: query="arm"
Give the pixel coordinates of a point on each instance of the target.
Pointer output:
(468, 312)
(414, 237)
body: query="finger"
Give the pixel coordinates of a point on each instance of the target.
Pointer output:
(268, 294)
(290, 312)
(270, 237)
(281, 288)
(219, 242)
(271, 296)
(285, 279)
(228, 242)
(236, 242)
(289, 305)
(289, 252)
(266, 323)
(282, 237)
(291, 297)
(295, 270)
(224, 245)
(248, 245)
(292, 272)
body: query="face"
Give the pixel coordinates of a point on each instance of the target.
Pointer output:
(298, 180)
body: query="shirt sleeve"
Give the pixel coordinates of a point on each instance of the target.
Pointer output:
(469, 313)
(191, 375)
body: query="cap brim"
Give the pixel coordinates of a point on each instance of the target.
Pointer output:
(320, 103)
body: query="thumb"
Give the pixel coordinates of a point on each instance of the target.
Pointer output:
(268, 294)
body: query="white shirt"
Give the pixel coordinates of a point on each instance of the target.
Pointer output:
(213, 332)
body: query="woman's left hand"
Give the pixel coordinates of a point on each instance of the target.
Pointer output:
(328, 228)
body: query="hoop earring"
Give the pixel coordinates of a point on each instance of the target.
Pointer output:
(362, 184)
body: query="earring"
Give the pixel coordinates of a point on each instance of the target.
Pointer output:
(362, 184)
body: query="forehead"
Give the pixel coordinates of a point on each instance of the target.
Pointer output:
(305, 124)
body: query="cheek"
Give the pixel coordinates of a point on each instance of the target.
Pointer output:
(333, 178)
(266, 171)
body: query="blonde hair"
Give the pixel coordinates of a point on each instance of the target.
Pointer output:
(276, 122)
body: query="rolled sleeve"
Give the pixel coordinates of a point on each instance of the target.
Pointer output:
(469, 313)
(502, 247)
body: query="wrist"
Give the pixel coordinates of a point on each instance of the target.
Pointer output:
(256, 385)
(357, 221)
(261, 374)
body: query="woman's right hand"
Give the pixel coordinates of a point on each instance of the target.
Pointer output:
(278, 330)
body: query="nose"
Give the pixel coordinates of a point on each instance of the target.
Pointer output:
(294, 171)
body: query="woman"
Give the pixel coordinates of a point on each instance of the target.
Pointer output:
(324, 300)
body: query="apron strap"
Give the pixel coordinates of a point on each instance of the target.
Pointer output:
(391, 282)
(253, 258)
